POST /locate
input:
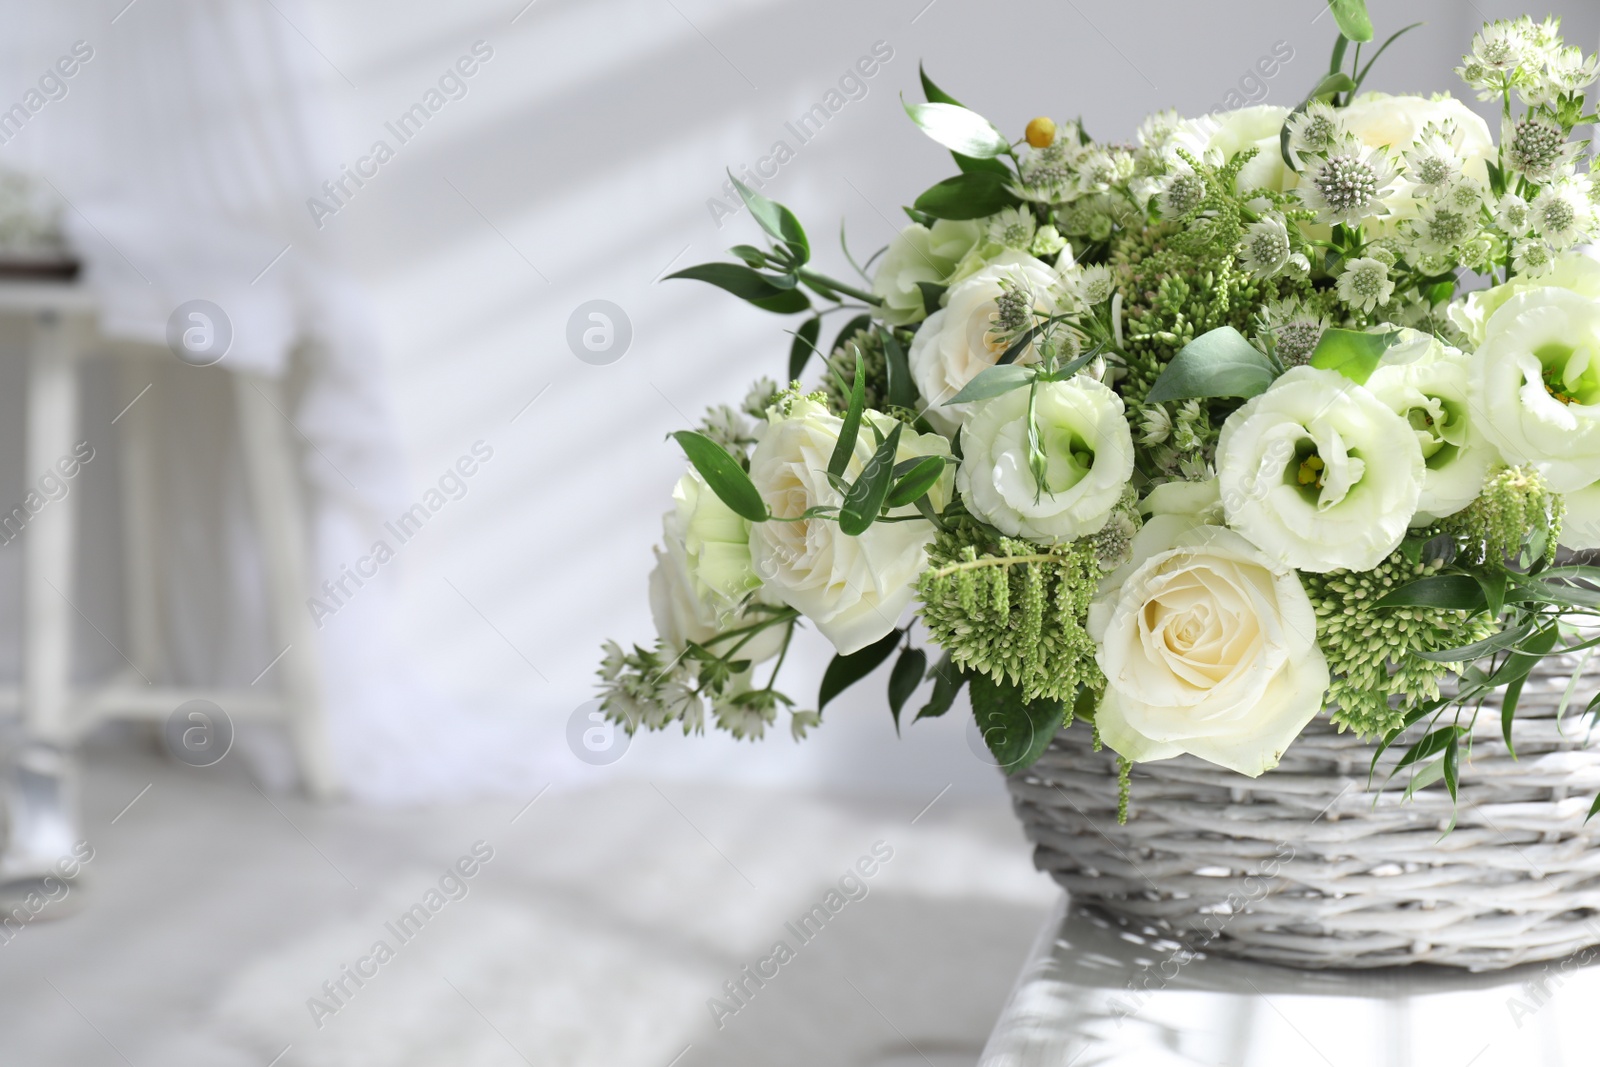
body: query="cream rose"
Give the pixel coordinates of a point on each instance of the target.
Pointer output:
(1217, 137)
(703, 574)
(959, 339)
(1425, 383)
(1535, 385)
(1208, 648)
(853, 588)
(1088, 455)
(1318, 473)
(919, 254)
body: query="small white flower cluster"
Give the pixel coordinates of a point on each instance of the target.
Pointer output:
(1528, 58)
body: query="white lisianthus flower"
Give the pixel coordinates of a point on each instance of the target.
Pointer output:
(919, 254)
(703, 573)
(1580, 528)
(1218, 137)
(1425, 382)
(1319, 473)
(1208, 647)
(968, 334)
(1088, 454)
(853, 588)
(1575, 270)
(1535, 385)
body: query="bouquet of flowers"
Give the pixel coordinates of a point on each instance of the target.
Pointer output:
(1266, 415)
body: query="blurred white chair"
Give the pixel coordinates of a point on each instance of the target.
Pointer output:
(60, 323)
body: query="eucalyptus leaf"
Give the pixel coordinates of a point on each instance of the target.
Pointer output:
(962, 131)
(993, 381)
(1017, 732)
(1218, 363)
(1353, 20)
(1353, 353)
(970, 195)
(845, 671)
(904, 679)
(723, 474)
(1457, 592)
(777, 221)
(805, 342)
(865, 499)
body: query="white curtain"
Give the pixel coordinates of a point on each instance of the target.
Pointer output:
(185, 147)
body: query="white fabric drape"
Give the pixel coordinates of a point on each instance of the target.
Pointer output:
(185, 148)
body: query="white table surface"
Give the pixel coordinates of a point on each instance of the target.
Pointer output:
(1094, 995)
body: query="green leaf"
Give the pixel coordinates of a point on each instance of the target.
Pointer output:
(1017, 733)
(993, 381)
(1351, 15)
(1458, 592)
(904, 679)
(932, 92)
(865, 499)
(1332, 85)
(947, 682)
(845, 447)
(913, 478)
(932, 293)
(1218, 363)
(971, 195)
(746, 284)
(1431, 745)
(1478, 649)
(902, 391)
(962, 131)
(778, 221)
(1494, 590)
(845, 671)
(1524, 659)
(805, 342)
(1452, 764)
(723, 474)
(1352, 353)
(752, 256)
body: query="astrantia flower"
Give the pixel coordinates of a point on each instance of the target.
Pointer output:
(1501, 45)
(1315, 131)
(1319, 473)
(1440, 228)
(1561, 214)
(1292, 331)
(1094, 285)
(1049, 175)
(1347, 185)
(1432, 161)
(1365, 284)
(1181, 191)
(1512, 215)
(1266, 247)
(1570, 71)
(1156, 130)
(1012, 227)
(1537, 148)
(1087, 451)
(1532, 258)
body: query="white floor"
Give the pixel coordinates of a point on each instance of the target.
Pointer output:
(596, 934)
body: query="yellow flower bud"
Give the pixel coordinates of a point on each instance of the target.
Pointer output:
(1041, 132)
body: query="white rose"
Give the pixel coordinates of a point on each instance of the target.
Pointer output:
(1088, 459)
(1208, 647)
(853, 588)
(1580, 529)
(1535, 385)
(1577, 270)
(1217, 137)
(1425, 383)
(1319, 473)
(919, 254)
(703, 573)
(959, 340)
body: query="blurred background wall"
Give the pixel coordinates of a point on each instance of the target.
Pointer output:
(585, 160)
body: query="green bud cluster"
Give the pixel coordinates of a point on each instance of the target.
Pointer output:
(1515, 507)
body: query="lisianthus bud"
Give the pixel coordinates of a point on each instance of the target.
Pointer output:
(1041, 132)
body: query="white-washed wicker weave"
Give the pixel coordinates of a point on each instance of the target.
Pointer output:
(1371, 880)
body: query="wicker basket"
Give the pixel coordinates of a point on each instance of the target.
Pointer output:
(1308, 866)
